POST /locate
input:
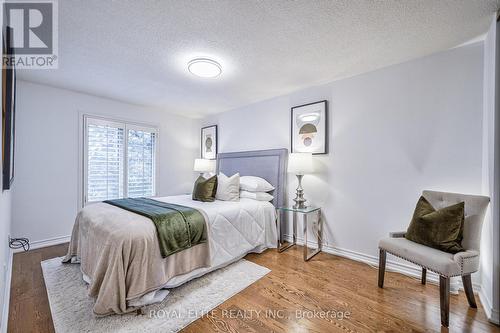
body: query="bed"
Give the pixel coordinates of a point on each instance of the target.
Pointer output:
(118, 250)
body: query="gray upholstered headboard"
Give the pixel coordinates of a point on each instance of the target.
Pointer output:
(268, 164)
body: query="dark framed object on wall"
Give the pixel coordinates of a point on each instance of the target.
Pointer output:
(8, 110)
(209, 142)
(309, 128)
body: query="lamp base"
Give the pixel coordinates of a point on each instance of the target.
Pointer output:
(300, 204)
(300, 201)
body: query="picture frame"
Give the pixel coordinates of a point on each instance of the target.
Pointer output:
(209, 142)
(8, 112)
(309, 128)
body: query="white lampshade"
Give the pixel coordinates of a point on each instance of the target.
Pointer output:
(203, 165)
(300, 163)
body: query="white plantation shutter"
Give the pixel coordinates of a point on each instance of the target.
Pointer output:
(119, 160)
(141, 166)
(104, 161)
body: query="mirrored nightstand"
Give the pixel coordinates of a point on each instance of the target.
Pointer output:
(304, 212)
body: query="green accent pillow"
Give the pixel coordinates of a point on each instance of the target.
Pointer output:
(441, 229)
(205, 189)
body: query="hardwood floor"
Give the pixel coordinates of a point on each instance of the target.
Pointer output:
(326, 283)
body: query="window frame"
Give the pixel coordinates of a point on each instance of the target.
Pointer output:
(127, 125)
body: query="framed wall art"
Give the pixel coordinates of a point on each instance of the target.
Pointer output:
(309, 128)
(8, 111)
(209, 142)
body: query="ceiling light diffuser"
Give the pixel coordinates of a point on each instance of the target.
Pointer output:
(203, 67)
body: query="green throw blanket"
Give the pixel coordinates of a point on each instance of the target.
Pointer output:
(178, 227)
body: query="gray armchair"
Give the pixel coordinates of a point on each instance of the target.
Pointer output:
(445, 264)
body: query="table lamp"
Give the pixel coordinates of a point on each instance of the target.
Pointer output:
(300, 164)
(202, 165)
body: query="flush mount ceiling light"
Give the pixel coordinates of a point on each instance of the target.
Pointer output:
(204, 67)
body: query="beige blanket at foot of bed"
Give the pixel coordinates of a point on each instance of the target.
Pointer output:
(118, 250)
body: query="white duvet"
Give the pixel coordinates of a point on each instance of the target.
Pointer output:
(235, 228)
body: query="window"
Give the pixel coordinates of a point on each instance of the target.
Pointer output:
(119, 160)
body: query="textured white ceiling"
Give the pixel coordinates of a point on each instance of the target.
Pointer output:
(137, 51)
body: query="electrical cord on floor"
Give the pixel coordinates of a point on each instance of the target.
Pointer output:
(17, 243)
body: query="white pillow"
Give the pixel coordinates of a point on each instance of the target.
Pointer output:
(255, 184)
(228, 188)
(260, 196)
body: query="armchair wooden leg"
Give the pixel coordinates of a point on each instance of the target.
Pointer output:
(468, 290)
(444, 299)
(381, 268)
(424, 275)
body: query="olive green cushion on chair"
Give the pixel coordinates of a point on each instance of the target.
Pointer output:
(441, 229)
(455, 224)
(205, 189)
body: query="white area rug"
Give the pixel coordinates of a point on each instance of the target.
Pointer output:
(71, 307)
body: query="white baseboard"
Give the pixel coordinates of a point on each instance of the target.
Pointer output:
(495, 316)
(491, 313)
(47, 242)
(6, 294)
(407, 269)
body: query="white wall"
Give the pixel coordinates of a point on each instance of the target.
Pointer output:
(5, 222)
(489, 246)
(45, 193)
(393, 133)
(495, 316)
